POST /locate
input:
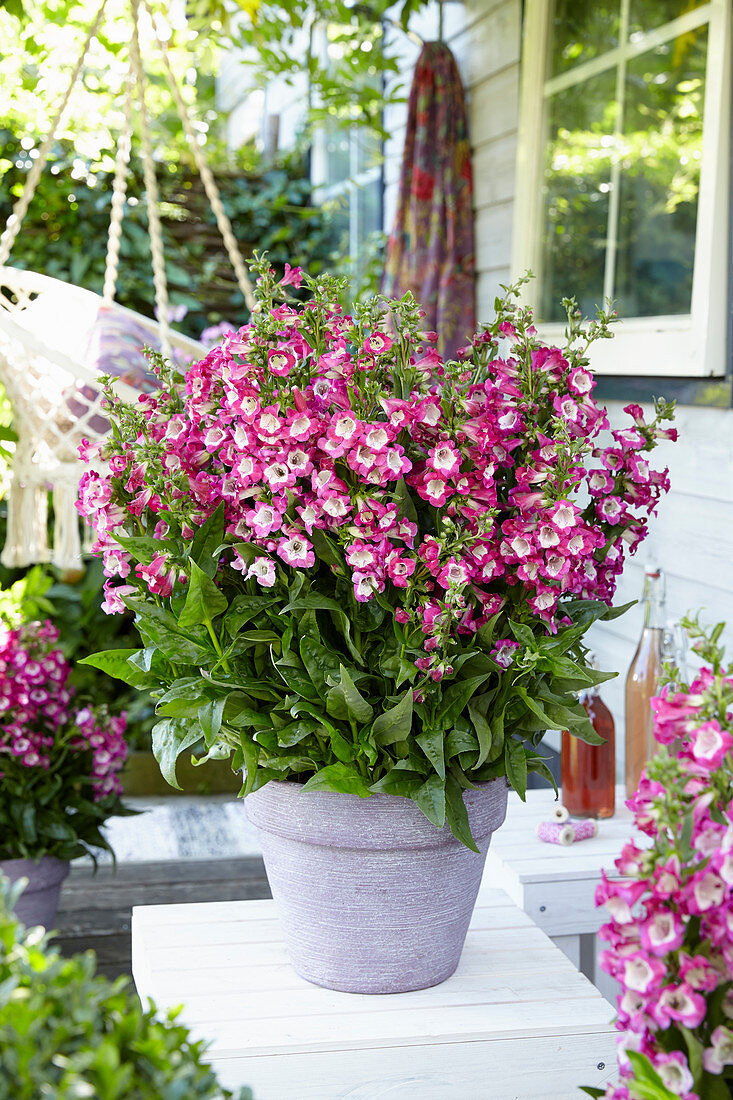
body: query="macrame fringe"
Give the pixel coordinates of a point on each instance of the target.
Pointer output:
(66, 540)
(27, 534)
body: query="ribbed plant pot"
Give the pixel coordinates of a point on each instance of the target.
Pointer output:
(372, 898)
(39, 901)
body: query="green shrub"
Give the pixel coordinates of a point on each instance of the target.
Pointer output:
(67, 1034)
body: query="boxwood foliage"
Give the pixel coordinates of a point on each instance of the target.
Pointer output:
(68, 1034)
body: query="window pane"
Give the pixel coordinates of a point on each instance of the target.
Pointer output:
(647, 14)
(576, 195)
(660, 176)
(338, 156)
(580, 30)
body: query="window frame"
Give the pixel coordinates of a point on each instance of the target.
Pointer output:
(681, 348)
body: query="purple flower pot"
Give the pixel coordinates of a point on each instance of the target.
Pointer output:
(372, 898)
(39, 901)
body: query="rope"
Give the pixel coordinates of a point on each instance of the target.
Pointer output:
(151, 191)
(119, 190)
(212, 191)
(15, 220)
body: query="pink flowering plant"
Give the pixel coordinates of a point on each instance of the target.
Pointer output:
(671, 930)
(357, 566)
(59, 762)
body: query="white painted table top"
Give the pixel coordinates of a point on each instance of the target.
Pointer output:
(516, 1021)
(555, 885)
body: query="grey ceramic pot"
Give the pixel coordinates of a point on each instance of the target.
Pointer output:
(372, 898)
(39, 901)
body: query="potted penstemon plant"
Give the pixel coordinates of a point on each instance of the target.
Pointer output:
(670, 933)
(363, 572)
(59, 765)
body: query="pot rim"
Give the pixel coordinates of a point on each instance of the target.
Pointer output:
(381, 821)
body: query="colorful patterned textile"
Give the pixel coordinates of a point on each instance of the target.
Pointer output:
(431, 249)
(116, 343)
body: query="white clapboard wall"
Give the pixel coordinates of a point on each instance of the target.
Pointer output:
(692, 537)
(485, 38)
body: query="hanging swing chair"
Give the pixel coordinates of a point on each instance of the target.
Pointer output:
(57, 340)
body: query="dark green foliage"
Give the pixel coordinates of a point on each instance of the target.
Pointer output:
(321, 689)
(66, 1033)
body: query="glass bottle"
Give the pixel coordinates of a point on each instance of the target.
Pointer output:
(642, 680)
(588, 772)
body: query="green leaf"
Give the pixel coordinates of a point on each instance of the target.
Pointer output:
(204, 601)
(456, 813)
(405, 501)
(295, 732)
(430, 798)
(338, 777)
(160, 628)
(589, 1090)
(432, 743)
(143, 548)
(523, 635)
(251, 755)
(483, 732)
(356, 704)
(646, 1083)
(206, 541)
(394, 724)
(242, 609)
(210, 718)
(398, 781)
(170, 738)
(455, 698)
(183, 698)
(325, 549)
(116, 662)
(319, 662)
(516, 766)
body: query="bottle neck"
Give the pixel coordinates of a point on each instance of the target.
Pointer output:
(654, 598)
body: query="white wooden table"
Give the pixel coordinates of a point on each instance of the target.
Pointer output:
(516, 1022)
(554, 885)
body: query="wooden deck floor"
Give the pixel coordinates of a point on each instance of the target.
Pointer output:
(96, 908)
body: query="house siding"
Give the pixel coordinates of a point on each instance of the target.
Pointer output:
(485, 39)
(692, 536)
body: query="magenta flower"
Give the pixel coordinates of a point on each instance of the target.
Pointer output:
(296, 551)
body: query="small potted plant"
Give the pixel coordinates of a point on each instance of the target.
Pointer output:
(59, 766)
(66, 1032)
(671, 934)
(365, 574)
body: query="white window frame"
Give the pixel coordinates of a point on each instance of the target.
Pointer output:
(348, 188)
(692, 345)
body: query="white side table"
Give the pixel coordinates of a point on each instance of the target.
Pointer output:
(556, 886)
(516, 1022)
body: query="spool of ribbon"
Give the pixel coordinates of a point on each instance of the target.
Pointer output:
(560, 813)
(556, 832)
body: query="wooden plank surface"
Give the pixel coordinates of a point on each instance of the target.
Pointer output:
(226, 963)
(554, 885)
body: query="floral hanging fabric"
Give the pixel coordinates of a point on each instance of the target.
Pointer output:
(431, 248)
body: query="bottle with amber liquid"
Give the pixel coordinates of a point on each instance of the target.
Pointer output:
(588, 772)
(642, 680)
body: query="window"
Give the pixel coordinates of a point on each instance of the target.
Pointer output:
(622, 175)
(347, 163)
(347, 170)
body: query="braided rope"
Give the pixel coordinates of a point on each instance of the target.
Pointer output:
(119, 190)
(151, 191)
(212, 191)
(15, 220)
